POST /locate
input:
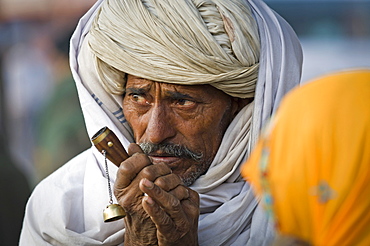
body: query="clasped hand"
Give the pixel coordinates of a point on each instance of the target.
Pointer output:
(160, 209)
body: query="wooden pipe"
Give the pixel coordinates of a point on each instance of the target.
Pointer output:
(106, 140)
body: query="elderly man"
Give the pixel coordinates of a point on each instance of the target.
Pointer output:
(186, 86)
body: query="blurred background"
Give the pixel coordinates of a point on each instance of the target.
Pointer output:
(41, 121)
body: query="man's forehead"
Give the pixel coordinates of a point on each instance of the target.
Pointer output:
(134, 82)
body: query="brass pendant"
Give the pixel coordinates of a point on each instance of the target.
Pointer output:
(113, 212)
(105, 140)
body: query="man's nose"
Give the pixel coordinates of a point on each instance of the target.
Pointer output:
(160, 125)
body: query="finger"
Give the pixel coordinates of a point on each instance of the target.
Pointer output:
(129, 169)
(180, 192)
(153, 172)
(162, 198)
(175, 221)
(168, 182)
(170, 204)
(161, 219)
(191, 205)
(165, 224)
(134, 148)
(126, 186)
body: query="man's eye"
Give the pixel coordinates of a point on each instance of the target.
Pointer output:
(139, 99)
(185, 102)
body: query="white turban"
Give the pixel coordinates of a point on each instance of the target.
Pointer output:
(183, 42)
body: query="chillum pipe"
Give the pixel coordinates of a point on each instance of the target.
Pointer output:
(106, 140)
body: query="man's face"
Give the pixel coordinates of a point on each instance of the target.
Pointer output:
(181, 126)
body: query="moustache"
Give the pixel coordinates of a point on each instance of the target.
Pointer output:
(171, 149)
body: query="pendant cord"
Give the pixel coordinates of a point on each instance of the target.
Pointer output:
(106, 170)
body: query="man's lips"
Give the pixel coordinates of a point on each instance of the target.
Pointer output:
(168, 160)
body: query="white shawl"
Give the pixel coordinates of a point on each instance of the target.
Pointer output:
(66, 207)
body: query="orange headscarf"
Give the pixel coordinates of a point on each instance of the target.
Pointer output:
(312, 163)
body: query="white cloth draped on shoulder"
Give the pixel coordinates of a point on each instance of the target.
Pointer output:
(66, 207)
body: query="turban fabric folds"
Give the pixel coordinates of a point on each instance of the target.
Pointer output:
(182, 42)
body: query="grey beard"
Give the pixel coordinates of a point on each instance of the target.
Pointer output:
(171, 149)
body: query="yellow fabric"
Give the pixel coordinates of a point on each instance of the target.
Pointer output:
(312, 163)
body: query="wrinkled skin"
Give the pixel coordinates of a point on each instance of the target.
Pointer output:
(192, 116)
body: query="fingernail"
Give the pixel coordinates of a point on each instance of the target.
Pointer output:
(147, 183)
(149, 200)
(187, 193)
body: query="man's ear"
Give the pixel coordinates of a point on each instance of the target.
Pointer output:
(238, 104)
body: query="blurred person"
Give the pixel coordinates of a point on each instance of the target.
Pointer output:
(28, 80)
(60, 131)
(189, 82)
(311, 165)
